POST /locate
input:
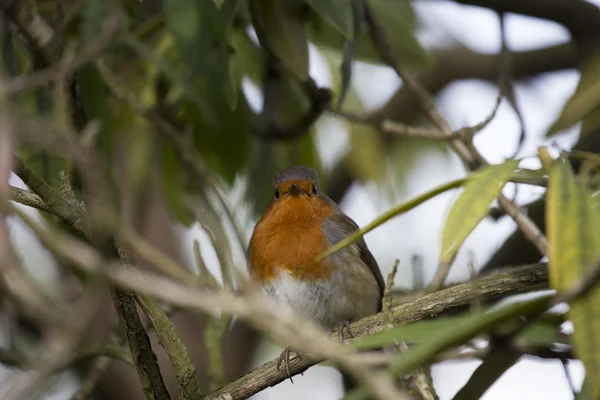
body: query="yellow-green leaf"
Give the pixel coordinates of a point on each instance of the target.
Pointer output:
(473, 205)
(573, 219)
(585, 100)
(280, 26)
(338, 13)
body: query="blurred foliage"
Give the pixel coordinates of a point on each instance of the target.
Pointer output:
(190, 63)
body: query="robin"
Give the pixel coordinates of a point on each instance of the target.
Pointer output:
(299, 224)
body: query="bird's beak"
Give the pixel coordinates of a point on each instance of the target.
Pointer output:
(295, 190)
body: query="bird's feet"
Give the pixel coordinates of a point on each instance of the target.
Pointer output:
(340, 330)
(286, 357)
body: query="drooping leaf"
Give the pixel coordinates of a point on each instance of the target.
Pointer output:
(280, 26)
(247, 60)
(358, 12)
(473, 205)
(538, 333)
(338, 13)
(585, 100)
(397, 19)
(573, 223)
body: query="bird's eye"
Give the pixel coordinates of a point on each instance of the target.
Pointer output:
(314, 190)
(276, 194)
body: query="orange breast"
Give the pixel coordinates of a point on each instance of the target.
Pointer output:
(289, 237)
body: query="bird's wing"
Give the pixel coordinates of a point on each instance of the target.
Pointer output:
(337, 227)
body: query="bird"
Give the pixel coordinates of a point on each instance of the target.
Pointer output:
(298, 225)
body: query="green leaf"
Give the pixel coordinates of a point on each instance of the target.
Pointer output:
(495, 363)
(397, 19)
(417, 332)
(585, 100)
(399, 32)
(456, 334)
(358, 12)
(337, 13)
(280, 27)
(202, 33)
(473, 205)
(573, 223)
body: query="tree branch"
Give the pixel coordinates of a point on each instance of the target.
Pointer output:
(580, 17)
(526, 278)
(451, 65)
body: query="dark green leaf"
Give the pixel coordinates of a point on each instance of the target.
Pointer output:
(338, 13)
(358, 11)
(280, 27)
(396, 18)
(202, 34)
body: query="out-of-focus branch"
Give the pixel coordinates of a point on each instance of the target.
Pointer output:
(580, 17)
(143, 356)
(451, 65)
(254, 307)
